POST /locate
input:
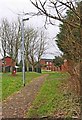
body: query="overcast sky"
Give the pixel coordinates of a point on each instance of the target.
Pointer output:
(11, 8)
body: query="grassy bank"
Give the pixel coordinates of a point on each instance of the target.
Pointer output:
(11, 84)
(52, 100)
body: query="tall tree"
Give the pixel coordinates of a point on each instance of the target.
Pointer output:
(4, 35)
(4, 28)
(14, 40)
(10, 38)
(68, 39)
(58, 61)
(55, 10)
(81, 57)
(35, 46)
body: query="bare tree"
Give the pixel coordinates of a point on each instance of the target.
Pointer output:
(3, 34)
(14, 40)
(10, 38)
(55, 9)
(4, 28)
(35, 46)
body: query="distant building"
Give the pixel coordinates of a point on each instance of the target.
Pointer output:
(6, 64)
(47, 64)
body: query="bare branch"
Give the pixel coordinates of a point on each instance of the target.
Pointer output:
(58, 5)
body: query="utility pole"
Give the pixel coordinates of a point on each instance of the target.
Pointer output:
(23, 49)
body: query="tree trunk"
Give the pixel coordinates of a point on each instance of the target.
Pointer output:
(27, 65)
(81, 58)
(33, 68)
(11, 69)
(4, 67)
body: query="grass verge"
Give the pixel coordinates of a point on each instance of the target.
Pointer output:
(52, 100)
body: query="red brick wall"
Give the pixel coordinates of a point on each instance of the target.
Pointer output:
(9, 62)
(49, 65)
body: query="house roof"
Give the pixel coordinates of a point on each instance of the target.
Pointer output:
(47, 60)
(6, 57)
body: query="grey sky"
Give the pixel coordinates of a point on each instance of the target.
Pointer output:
(10, 9)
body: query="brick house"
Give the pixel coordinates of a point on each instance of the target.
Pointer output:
(6, 64)
(47, 64)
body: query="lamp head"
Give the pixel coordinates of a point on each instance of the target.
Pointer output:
(25, 19)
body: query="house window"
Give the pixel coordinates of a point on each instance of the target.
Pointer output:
(47, 63)
(47, 67)
(50, 63)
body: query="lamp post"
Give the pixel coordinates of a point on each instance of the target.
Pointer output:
(23, 49)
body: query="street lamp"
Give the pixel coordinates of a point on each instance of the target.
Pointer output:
(23, 49)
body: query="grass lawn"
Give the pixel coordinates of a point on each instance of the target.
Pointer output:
(51, 99)
(11, 84)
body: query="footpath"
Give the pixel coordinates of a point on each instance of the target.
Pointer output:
(18, 104)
